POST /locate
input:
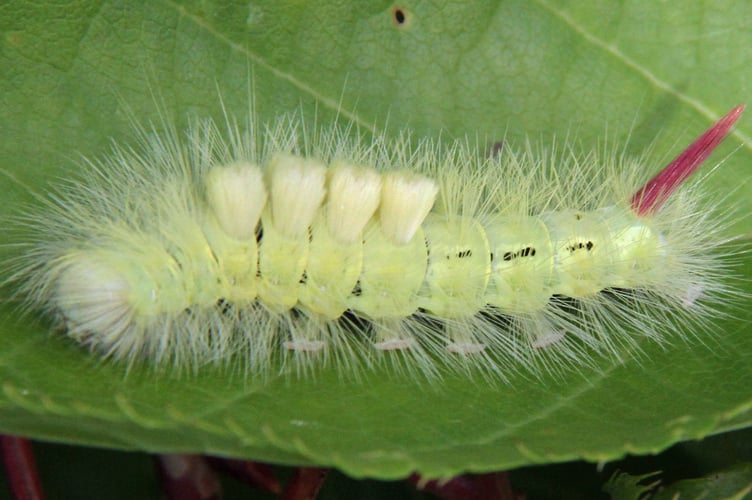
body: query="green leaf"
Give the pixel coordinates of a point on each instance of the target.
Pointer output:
(656, 72)
(731, 483)
(623, 486)
(734, 483)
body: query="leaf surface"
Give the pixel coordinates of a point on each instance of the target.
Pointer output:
(657, 73)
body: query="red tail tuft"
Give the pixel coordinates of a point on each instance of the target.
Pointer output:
(654, 194)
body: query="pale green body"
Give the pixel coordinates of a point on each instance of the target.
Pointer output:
(452, 268)
(197, 259)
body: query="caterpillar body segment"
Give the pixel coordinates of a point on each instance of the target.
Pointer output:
(333, 251)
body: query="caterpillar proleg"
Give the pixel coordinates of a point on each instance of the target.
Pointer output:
(328, 248)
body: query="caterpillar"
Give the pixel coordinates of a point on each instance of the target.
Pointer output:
(282, 246)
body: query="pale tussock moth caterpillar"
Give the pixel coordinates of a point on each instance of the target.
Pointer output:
(326, 248)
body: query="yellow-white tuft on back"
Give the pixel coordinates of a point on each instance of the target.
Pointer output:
(354, 195)
(406, 199)
(236, 194)
(297, 188)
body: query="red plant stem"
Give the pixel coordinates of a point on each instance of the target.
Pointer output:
(21, 468)
(252, 473)
(305, 483)
(657, 191)
(493, 486)
(187, 477)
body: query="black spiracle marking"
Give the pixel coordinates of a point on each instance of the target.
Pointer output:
(581, 246)
(523, 252)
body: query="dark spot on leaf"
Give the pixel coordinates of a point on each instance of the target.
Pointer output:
(399, 17)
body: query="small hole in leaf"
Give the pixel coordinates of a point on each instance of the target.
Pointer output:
(399, 16)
